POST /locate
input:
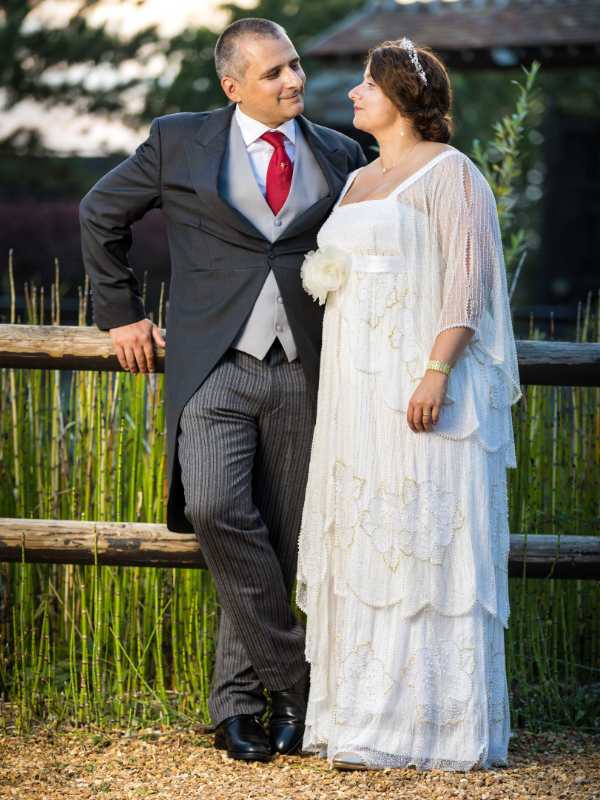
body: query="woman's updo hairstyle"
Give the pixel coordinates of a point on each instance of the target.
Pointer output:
(427, 106)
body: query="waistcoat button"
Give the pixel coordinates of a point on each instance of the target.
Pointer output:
(278, 222)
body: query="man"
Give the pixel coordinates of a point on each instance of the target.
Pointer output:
(244, 190)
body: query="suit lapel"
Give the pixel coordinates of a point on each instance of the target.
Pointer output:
(205, 159)
(334, 166)
(333, 161)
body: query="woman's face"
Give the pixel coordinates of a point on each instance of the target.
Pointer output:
(373, 111)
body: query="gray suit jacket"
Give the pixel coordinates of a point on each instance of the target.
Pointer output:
(219, 260)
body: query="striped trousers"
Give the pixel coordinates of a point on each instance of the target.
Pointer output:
(244, 449)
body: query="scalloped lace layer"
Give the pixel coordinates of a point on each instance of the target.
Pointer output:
(424, 690)
(391, 515)
(381, 328)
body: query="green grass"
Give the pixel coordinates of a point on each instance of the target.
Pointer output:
(553, 642)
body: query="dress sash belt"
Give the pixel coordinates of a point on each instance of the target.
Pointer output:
(376, 264)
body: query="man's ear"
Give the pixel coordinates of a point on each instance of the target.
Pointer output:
(230, 87)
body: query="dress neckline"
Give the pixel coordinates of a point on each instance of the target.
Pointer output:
(395, 192)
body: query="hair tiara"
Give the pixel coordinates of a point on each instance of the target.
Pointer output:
(407, 45)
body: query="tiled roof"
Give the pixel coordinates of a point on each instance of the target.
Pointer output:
(464, 24)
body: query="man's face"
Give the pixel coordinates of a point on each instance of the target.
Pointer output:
(273, 87)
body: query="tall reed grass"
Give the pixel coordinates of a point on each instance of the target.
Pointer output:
(553, 642)
(95, 645)
(107, 646)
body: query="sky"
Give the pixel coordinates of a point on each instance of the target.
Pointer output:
(65, 131)
(128, 16)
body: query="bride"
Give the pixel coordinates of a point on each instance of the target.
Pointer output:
(404, 543)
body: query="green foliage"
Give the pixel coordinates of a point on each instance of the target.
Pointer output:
(502, 172)
(501, 163)
(196, 86)
(482, 97)
(29, 53)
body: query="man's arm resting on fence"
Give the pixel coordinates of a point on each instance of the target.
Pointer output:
(107, 213)
(133, 344)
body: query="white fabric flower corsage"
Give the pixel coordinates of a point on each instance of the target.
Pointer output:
(325, 270)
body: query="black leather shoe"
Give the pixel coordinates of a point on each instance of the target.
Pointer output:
(244, 738)
(289, 715)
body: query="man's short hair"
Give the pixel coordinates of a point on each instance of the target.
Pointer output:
(229, 59)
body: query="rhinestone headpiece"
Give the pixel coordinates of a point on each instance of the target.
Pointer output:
(407, 45)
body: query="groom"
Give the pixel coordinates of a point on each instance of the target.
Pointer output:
(244, 190)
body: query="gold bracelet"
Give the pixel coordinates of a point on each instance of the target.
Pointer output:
(440, 366)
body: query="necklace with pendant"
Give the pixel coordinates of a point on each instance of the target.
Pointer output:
(387, 169)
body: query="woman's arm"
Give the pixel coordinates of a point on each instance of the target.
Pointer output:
(474, 294)
(461, 228)
(431, 392)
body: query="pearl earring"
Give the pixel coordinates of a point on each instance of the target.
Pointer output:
(401, 131)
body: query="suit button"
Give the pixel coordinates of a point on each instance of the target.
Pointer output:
(271, 255)
(278, 222)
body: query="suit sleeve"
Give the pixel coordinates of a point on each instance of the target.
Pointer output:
(361, 160)
(106, 215)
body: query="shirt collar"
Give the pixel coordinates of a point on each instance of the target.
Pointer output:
(252, 129)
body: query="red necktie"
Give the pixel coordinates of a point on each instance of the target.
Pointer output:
(279, 172)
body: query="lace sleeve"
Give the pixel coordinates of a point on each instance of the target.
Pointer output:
(474, 278)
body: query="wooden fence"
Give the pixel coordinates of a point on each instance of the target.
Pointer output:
(69, 347)
(138, 544)
(144, 544)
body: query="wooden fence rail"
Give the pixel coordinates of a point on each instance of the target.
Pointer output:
(71, 347)
(123, 544)
(136, 544)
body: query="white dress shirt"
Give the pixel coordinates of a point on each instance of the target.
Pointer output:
(268, 319)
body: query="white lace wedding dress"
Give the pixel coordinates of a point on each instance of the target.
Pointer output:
(404, 543)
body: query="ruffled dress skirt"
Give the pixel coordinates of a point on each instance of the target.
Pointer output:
(404, 546)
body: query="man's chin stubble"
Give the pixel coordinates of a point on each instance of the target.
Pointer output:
(297, 107)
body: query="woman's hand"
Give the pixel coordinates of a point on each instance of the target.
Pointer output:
(427, 399)
(431, 392)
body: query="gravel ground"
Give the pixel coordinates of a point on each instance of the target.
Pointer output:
(50, 766)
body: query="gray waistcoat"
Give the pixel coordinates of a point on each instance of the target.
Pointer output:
(238, 186)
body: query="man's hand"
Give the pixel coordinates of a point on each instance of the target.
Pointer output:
(133, 344)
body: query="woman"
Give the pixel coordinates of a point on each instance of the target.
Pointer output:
(404, 544)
